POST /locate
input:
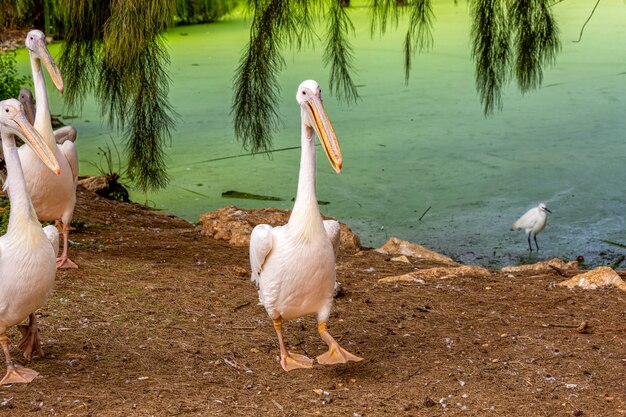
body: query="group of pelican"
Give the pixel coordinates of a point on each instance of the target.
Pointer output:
(293, 265)
(40, 180)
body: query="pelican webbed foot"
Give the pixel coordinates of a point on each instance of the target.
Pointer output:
(335, 354)
(18, 375)
(65, 262)
(292, 361)
(289, 361)
(30, 341)
(14, 375)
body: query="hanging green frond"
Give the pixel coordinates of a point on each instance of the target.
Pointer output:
(536, 40)
(338, 53)
(419, 35)
(490, 51)
(384, 13)
(256, 86)
(115, 51)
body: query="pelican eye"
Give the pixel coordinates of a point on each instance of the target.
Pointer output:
(304, 93)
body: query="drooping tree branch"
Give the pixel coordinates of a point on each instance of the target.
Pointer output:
(511, 39)
(114, 50)
(419, 35)
(339, 54)
(490, 51)
(536, 40)
(582, 29)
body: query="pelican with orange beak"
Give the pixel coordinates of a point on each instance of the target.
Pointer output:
(53, 197)
(27, 252)
(293, 265)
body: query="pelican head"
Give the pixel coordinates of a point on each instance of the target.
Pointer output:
(543, 207)
(309, 96)
(36, 44)
(13, 120)
(26, 98)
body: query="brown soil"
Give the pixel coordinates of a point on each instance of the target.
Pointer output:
(160, 320)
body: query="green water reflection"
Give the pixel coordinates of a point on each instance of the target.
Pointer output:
(410, 147)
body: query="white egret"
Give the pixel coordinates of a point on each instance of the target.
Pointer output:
(53, 197)
(534, 221)
(61, 134)
(27, 252)
(294, 265)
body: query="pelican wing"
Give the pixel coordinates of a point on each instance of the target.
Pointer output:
(528, 220)
(53, 236)
(65, 133)
(333, 231)
(261, 242)
(68, 149)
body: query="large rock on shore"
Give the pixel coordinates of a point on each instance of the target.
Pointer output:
(600, 277)
(397, 247)
(438, 273)
(235, 225)
(553, 265)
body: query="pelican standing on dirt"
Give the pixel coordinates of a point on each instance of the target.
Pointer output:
(53, 197)
(294, 265)
(61, 134)
(27, 252)
(534, 221)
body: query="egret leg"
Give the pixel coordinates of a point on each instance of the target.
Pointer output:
(30, 338)
(14, 374)
(535, 236)
(529, 247)
(64, 261)
(289, 361)
(335, 354)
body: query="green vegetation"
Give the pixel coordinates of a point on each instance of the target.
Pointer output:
(10, 81)
(4, 214)
(510, 39)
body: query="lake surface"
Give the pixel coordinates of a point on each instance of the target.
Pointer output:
(410, 147)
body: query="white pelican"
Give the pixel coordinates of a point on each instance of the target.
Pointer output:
(61, 134)
(534, 221)
(53, 197)
(294, 265)
(27, 252)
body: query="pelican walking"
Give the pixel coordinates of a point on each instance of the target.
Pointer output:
(27, 252)
(294, 265)
(533, 221)
(53, 197)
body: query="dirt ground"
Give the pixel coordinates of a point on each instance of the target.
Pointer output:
(160, 320)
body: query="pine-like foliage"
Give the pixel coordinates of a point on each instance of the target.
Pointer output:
(276, 24)
(114, 50)
(511, 39)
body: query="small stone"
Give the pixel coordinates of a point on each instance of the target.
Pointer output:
(402, 259)
(428, 402)
(577, 413)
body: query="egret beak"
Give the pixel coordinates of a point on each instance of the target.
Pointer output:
(51, 66)
(315, 109)
(34, 139)
(546, 209)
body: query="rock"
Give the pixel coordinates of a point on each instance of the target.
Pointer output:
(439, 273)
(395, 246)
(401, 258)
(235, 225)
(600, 277)
(553, 265)
(105, 186)
(401, 278)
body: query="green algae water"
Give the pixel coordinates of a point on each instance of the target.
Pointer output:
(410, 147)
